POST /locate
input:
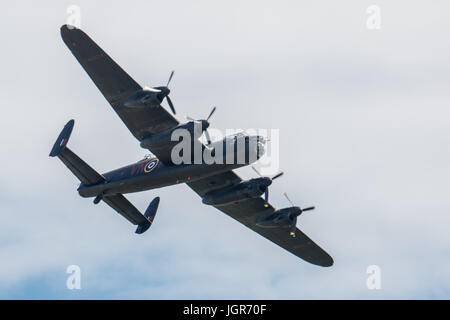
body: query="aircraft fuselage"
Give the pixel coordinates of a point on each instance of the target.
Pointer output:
(151, 173)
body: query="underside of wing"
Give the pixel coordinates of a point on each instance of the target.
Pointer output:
(115, 85)
(119, 203)
(248, 211)
(218, 181)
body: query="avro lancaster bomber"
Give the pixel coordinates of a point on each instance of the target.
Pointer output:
(153, 126)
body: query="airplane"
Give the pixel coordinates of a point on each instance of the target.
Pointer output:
(152, 125)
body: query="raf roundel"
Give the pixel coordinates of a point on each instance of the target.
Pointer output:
(151, 165)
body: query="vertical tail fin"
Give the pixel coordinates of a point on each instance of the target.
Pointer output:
(63, 138)
(149, 215)
(79, 168)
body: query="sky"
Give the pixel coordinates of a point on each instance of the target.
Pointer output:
(363, 116)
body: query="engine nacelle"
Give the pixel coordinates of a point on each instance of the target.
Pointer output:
(279, 218)
(253, 188)
(144, 97)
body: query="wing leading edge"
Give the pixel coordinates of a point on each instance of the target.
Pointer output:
(248, 211)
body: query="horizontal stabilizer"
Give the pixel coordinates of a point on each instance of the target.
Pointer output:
(79, 168)
(149, 215)
(89, 176)
(119, 203)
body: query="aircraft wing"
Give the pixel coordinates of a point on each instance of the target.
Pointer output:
(116, 86)
(119, 203)
(248, 211)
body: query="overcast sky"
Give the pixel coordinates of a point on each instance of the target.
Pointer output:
(364, 135)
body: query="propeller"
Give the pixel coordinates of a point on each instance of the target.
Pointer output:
(167, 96)
(266, 193)
(164, 93)
(170, 78)
(205, 125)
(299, 212)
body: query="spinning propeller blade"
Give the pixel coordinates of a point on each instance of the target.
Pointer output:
(211, 113)
(277, 175)
(204, 128)
(170, 78)
(171, 105)
(294, 219)
(257, 172)
(166, 91)
(285, 194)
(208, 138)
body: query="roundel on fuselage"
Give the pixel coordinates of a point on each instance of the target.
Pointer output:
(151, 165)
